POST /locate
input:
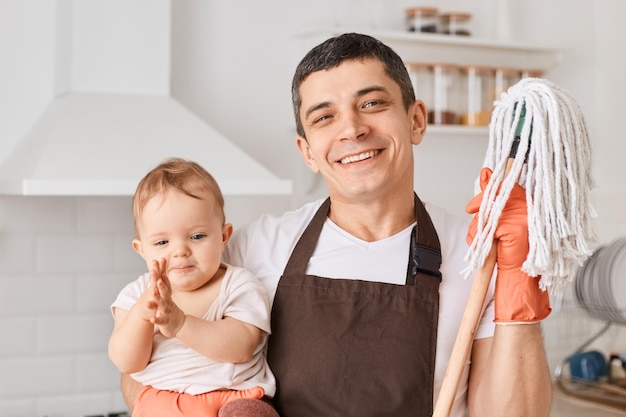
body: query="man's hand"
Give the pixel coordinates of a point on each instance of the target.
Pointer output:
(518, 298)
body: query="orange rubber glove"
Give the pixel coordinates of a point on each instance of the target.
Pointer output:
(518, 298)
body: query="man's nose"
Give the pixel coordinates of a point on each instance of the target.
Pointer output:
(353, 126)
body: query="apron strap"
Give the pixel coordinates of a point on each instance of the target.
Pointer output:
(424, 253)
(425, 250)
(304, 248)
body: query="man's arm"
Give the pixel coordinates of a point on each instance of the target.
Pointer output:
(509, 374)
(130, 390)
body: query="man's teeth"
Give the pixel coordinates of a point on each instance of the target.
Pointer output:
(359, 157)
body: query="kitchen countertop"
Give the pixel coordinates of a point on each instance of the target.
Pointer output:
(564, 405)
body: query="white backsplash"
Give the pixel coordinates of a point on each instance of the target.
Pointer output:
(62, 261)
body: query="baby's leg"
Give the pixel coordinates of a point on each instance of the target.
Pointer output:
(247, 407)
(152, 402)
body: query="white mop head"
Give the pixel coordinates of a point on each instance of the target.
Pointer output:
(556, 176)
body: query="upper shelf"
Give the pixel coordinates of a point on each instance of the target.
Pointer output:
(461, 50)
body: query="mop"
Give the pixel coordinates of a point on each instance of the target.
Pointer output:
(538, 139)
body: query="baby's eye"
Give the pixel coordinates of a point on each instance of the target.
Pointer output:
(160, 243)
(197, 236)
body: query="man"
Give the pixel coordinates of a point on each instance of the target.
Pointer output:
(367, 286)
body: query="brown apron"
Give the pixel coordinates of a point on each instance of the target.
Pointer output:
(352, 348)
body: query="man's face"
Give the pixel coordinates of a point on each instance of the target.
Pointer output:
(359, 135)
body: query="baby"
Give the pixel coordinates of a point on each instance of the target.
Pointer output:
(192, 330)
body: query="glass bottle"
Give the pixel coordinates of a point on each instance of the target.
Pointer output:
(455, 23)
(505, 78)
(446, 105)
(422, 79)
(421, 19)
(479, 90)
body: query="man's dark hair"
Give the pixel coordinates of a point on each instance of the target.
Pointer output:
(350, 46)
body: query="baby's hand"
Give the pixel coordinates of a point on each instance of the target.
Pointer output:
(147, 303)
(167, 315)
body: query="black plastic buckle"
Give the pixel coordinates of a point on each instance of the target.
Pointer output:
(427, 260)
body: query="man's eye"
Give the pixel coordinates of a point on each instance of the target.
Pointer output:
(371, 103)
(322, 118)
(197, 236)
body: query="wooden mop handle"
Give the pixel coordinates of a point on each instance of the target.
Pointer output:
(465, 336)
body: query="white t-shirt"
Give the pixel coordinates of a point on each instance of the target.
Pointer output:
(264, 247)
(176, 367)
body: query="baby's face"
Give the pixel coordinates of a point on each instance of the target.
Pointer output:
(188, 232)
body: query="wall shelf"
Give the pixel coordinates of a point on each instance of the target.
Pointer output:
(461, 50)
(457, 130)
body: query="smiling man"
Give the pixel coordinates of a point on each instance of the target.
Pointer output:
(367, 287)
(358, 327)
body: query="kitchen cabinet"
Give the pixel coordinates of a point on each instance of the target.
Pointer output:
(459, 50)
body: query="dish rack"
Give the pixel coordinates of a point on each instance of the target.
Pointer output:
(587, 374)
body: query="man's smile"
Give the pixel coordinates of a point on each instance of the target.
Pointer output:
(359, 157)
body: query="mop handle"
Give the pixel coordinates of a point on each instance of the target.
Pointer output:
(467, 330)
(465, 336)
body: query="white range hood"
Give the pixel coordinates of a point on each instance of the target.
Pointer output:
(110, 116)
(103, 144)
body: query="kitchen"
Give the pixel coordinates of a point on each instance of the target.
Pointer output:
(64, 256)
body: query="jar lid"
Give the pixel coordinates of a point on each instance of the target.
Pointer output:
(417, 65)
(421, 11)
(456, 16)
(446, 66)
(479, 69)
(504, 71)
(534, 73)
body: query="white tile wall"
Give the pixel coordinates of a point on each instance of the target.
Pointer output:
(568, 327)
(63, 261)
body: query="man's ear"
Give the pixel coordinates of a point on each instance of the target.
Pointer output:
(307, 155)
(419, 117)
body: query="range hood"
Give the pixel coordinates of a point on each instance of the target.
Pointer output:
(91, 144)
(110, 116)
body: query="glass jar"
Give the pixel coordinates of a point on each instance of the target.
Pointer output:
(455, 23)
(478, 83)
(421, 19)
(505, 78)
(422, 79)
(446, 104)
(532, 73)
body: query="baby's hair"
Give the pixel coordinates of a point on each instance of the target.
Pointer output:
(179, 174)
